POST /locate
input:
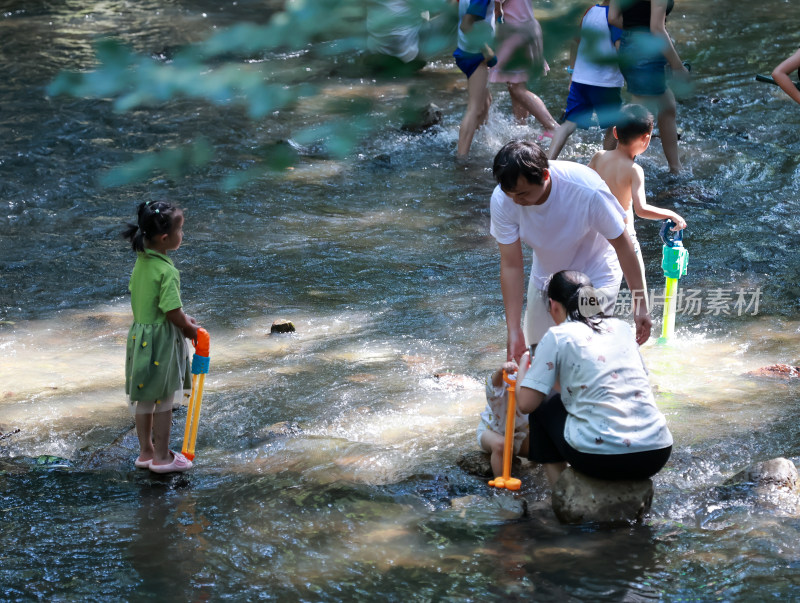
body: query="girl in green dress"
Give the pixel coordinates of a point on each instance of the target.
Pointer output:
(156, 365)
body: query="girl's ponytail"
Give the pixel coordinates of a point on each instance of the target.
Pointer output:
(153, 219)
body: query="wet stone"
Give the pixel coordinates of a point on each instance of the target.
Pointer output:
(502, 506)
(6, 432)
(579, 499)
(282, 326)
(119, 455)
(771, 484)
(477, 462)
(423, 119)
(454, 381)
(283, 429)
(435, 491)
(12, 466)
(780, 371)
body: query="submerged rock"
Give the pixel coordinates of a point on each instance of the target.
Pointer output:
(774, 483)
(578, 499)
(316, 150)
(432, 490)
(12, 466)
(781, 371)
(5, 432)
(456, 381)
(119, 455)
(504, 507)
(283, 429)
(48, 461)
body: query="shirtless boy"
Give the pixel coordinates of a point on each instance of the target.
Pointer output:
(624, 177)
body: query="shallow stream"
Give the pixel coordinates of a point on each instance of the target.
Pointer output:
(388, 272)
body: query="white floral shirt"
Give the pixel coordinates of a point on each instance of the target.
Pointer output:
(604, 388)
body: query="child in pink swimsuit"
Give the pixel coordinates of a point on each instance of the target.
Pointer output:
(520, 38)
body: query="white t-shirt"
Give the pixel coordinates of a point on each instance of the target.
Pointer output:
(569, 231)
(604, 388)
(596, 41)
(393, 29)
(483, 29)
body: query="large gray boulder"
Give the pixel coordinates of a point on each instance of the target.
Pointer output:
(579, 499)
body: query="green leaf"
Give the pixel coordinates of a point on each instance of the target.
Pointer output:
(174, 162)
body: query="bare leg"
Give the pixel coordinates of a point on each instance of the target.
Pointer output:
(553, 471)
(609, 140)
(669, 131)
(663, 107)
(493, 442)
(484, 116)
(476, 108)
(162, 426)
(532, 104)
(144, 431)
(560, 138)
(520, 112)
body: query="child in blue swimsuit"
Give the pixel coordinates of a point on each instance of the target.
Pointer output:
(474, 56)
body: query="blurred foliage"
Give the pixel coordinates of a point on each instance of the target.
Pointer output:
(247, 65)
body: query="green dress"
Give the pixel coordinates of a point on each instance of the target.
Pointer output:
(156, 364)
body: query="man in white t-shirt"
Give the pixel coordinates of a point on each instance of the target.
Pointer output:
(568, 216)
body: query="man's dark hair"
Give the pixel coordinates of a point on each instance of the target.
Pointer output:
(633, 122)
(519, 158)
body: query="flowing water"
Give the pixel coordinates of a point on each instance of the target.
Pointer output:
(390, 276)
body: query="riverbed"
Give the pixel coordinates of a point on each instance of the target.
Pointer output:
(384, 263)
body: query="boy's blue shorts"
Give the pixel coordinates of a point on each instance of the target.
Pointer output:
(467, 61)
(584, 100)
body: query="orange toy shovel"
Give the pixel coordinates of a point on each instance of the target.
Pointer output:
(200, 363)
(506, 481)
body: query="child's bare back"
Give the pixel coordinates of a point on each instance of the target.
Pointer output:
(623, 175)
(620, 173)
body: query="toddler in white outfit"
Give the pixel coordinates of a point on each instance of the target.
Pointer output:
(492, 426)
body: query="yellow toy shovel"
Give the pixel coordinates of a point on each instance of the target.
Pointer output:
(200, 363)
(506, 481)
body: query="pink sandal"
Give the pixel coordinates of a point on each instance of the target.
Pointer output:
(142, 464)
(179, 463)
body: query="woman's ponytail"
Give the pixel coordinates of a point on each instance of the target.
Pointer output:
(574, 291)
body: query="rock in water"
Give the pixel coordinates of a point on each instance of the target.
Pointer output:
(282, 326)
(578, 499)
(773, 483)
(781, 371)
(478, 462)
(428, 116)
(117, 456)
